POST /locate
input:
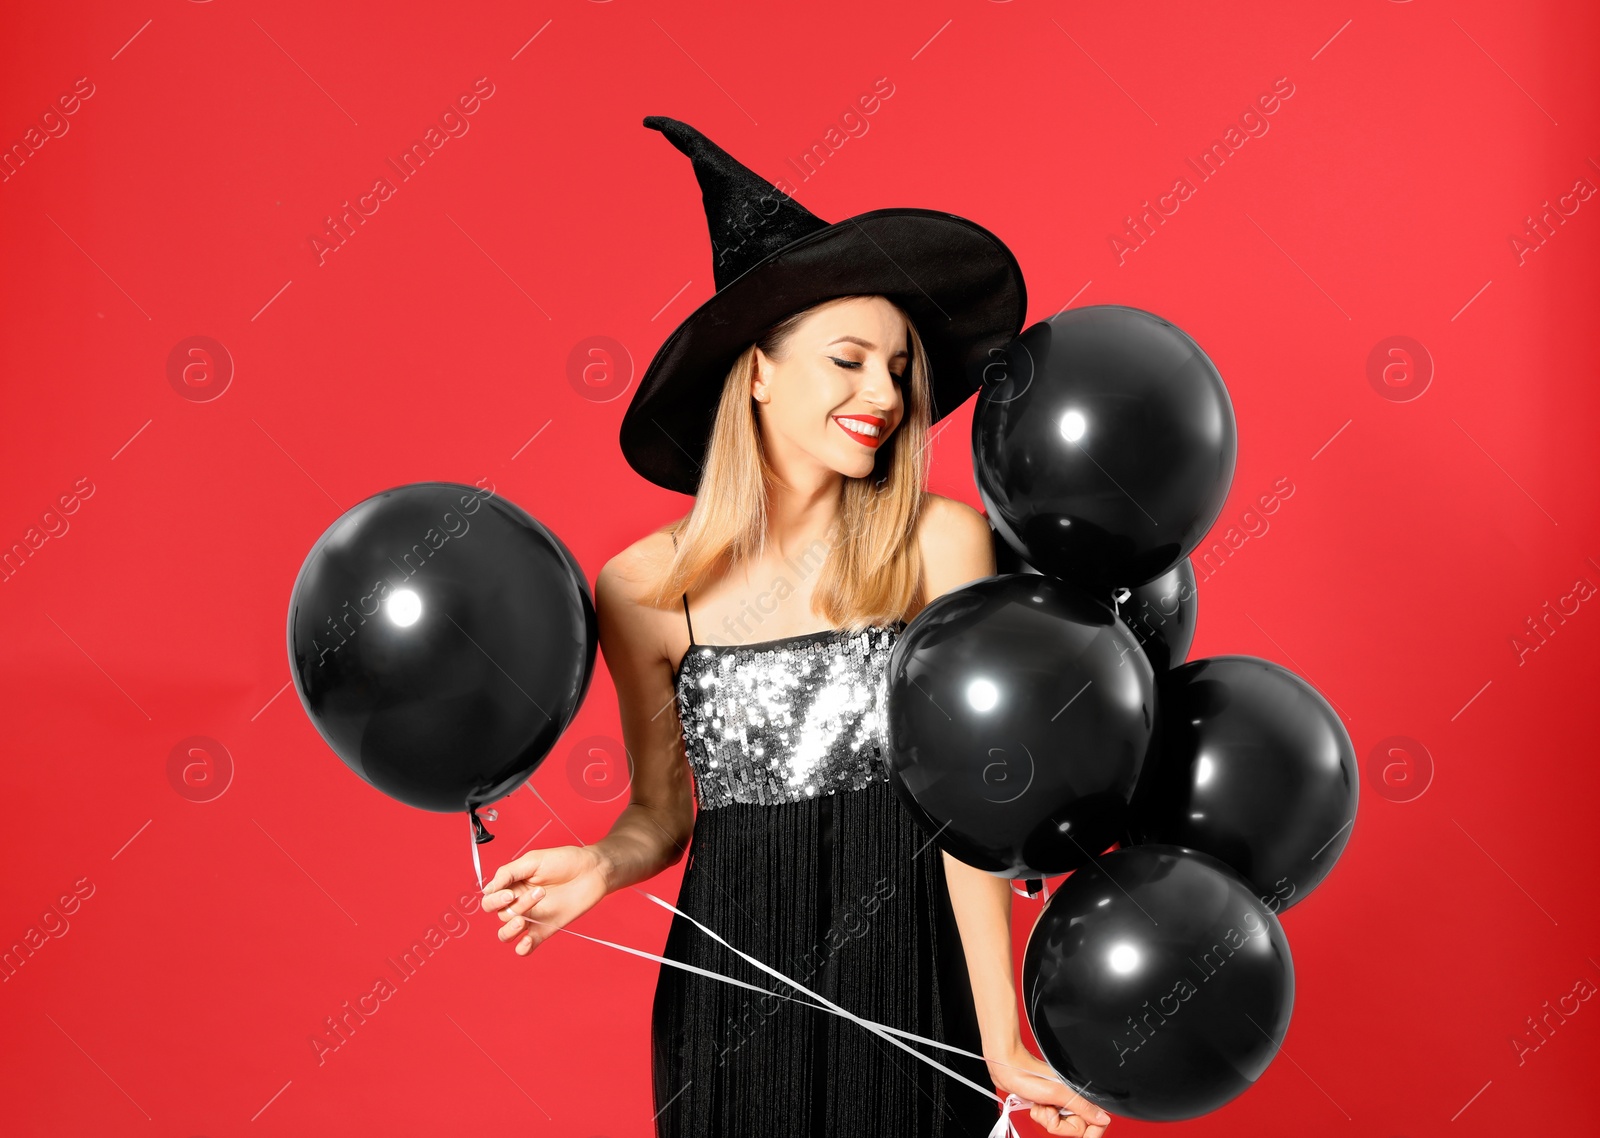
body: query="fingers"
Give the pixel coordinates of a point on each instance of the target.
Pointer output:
(514, 914)
(522, 869)
(519, 893)
(534, 935)
(1092, 1115)
(528, 900)
(529, 933)
(516, 896)
(1052, 1122)
(515, 923)
(526, 944)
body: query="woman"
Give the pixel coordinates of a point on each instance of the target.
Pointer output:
(747, 642)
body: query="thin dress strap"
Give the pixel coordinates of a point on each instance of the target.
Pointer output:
(686, 619)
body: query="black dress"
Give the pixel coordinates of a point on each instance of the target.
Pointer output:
(803, 857)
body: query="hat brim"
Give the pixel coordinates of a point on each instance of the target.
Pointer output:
(958, 282)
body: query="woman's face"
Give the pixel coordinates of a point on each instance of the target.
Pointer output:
(836, 395)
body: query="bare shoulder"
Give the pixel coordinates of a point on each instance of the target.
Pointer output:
(947, 524)
(629, 573)
(630, 626)
(634, 641)
(955, 543)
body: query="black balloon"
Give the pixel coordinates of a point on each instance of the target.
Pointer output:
(1006, 559)
(441, 640)
(1253, 767)
(1163, 614)
(1020, 712)
(1103, 445)
(1157, 984)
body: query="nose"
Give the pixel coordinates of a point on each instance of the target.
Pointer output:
(879, 387)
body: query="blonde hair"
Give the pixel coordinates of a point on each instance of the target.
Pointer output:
(871, 570)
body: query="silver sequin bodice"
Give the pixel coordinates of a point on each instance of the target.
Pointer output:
(785, 720)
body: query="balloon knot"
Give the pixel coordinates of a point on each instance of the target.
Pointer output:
(480, 833)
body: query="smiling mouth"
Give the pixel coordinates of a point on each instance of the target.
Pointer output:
(864, 429)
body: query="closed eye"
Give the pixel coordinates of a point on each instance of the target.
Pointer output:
(898, 378)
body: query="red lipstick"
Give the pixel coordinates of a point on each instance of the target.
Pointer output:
(864, 440)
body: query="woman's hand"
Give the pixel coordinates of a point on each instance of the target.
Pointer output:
(1024, 1074)
(543, 890)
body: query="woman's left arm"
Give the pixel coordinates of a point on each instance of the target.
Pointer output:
(982, 906)
(957, 549)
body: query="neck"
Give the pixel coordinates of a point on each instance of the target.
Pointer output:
(802, 509)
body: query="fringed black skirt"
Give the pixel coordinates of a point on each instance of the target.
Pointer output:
(846, 895)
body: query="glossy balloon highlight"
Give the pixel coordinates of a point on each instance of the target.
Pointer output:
(1253, 767)
(1103, 445)
(1020, 714)
(1157, 984)
(441, 640)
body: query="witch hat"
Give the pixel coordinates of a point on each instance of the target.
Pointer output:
(771, 258)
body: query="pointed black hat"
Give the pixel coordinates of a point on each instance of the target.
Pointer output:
(771, 258)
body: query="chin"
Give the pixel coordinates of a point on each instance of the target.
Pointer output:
(849, 461)
(855, 466)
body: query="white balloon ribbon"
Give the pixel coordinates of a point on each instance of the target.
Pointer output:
(876, 1028)
(1004, 1123)
(1011, 1102)
(477, 865)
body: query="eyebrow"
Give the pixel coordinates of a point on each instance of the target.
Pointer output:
(867, 344)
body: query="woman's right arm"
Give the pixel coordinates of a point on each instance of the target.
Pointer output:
(552, 887)
(653, 830)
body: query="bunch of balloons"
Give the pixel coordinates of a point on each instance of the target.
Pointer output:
(441, 640)
(1041, 717)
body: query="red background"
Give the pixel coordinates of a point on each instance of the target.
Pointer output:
(1420, 536)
